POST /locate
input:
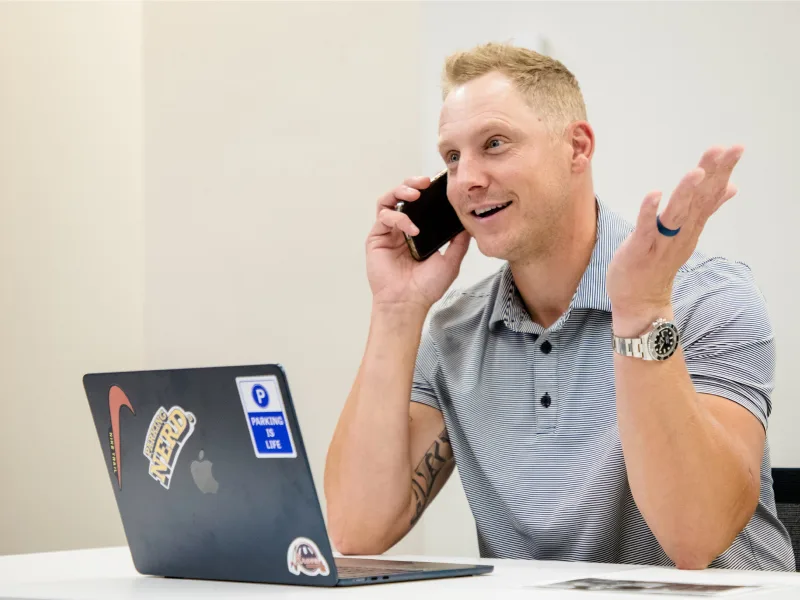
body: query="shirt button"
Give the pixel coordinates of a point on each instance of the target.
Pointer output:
(546, 347)
(546, 400)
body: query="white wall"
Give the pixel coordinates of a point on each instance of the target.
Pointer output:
(662, 82)
(71, 259)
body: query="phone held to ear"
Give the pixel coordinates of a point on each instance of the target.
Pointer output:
(434, 216)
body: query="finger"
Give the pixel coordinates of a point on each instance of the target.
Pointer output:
(730, 158)
(730, 192)
(402, 192)
(382, 226)
(727, 162)
(709, 162)
(418, 182)
(646, 230)
(715, 186)
(457, 249)
(397, 220)
(378, 229)
(710, 159)
(678, 210)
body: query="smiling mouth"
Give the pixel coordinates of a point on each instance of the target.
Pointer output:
(489, 211)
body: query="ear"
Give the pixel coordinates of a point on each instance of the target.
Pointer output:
(581, 136)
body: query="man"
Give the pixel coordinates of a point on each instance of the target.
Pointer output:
(568, 448)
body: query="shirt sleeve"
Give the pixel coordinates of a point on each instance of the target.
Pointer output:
(727, 337)
(422, 389)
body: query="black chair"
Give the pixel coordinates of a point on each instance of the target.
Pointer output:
(786, 483)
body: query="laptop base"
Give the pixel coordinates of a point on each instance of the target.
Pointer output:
(366, 571)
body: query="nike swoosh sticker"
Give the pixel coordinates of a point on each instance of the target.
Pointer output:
(116, 400)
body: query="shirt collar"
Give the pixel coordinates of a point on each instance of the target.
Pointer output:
(612, 230)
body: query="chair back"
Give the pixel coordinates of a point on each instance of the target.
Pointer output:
(786, 484)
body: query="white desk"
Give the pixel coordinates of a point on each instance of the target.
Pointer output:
(109, 573)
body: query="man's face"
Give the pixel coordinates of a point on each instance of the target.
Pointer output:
(499, 154)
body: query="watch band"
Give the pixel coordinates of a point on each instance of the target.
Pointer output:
(634, 347)
(657, 343)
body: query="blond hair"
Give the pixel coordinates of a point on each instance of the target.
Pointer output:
(548, 86)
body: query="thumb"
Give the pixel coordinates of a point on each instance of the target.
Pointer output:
(457, 249)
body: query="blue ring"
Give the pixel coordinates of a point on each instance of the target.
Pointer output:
(666, 230)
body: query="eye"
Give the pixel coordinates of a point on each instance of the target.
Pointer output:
(452, 157)
(494, 143)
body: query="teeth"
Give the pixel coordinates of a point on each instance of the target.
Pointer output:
(481, 211)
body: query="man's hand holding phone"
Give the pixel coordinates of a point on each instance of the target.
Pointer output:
(398, 280)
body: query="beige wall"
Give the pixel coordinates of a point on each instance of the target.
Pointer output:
(190, 184)
(270, 128)
(71, 259)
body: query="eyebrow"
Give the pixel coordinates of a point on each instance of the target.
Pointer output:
(493, 125)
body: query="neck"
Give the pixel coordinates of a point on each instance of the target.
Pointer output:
(548, 283)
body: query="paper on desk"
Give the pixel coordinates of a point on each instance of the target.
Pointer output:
(649, 587)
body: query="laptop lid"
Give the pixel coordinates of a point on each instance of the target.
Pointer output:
(210, 474)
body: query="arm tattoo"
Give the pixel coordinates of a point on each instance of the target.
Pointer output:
(435, 460)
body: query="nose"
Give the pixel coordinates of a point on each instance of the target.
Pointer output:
(471, 175)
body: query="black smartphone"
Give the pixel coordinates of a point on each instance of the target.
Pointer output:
(434, 216)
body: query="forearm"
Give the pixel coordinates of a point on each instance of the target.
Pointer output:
(367, 476)
(688, 476)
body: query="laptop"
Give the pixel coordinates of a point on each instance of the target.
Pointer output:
(212, 480)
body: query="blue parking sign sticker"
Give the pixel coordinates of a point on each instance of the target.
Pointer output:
(266, 416)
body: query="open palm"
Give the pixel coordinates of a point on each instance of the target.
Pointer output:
(643, 269)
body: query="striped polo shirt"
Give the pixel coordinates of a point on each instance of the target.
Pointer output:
(531, 412)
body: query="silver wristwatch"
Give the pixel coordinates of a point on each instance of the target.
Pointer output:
(658, 343)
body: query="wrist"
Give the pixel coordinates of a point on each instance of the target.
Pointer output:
(395, 330)
(405, 313)
(633, 321)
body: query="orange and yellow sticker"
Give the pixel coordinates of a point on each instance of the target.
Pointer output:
(166, 437)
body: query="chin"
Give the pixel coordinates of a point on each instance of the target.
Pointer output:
(494, 248)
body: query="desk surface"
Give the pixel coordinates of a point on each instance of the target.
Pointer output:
(109, 573)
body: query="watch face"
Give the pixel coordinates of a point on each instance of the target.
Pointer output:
(664, 341)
